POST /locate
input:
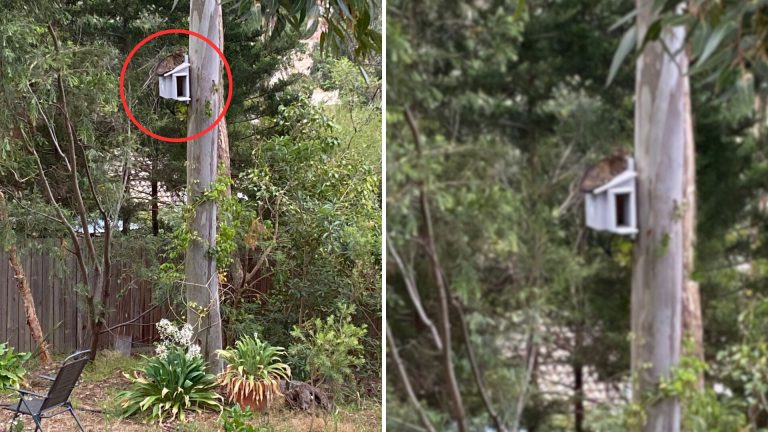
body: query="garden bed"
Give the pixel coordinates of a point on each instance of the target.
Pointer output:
(95, 402)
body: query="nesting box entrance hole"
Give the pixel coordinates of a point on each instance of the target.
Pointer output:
(180, 86)
(622, 210)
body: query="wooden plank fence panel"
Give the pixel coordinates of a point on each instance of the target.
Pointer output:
(62, 311)
(43, 303)
(57, 290)
(74, 327)
(5, 317)
(14, 303)
(13, 308)
(21, 321)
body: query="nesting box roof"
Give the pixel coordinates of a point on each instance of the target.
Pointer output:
(182, 66)
(609, 171)
(619, 179)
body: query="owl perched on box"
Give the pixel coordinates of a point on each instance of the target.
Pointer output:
(604, 170)
(170, 62)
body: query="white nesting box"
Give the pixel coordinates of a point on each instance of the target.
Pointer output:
(175, 84)
(613, 206)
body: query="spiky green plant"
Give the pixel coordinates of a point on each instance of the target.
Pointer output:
(169, 385)
(254, 369)
(11, 366)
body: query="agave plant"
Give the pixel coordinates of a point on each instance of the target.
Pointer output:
(170, 384)
(253, 372)
(11, 370)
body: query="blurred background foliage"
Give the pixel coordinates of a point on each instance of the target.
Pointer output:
(510, 103)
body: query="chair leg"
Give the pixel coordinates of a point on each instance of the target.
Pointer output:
(38, 423)
(77, 420)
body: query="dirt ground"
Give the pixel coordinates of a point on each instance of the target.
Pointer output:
(94, 401)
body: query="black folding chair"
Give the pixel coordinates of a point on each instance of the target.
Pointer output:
(57, 400)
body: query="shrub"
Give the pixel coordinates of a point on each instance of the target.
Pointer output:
(173, 337)
(236, 419)
(12, 371)
(330, 349)
(173, 381)
(169, 385)
(254, 370)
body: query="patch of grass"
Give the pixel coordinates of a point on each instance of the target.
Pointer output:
(364, 417)
(192, 426)
(107, 363)
(111, 407)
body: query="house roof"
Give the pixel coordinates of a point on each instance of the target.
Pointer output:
(619, 179)
(180, 67)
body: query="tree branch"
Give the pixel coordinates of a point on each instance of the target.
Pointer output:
(413, 292)
(130, 321)
(407, 382)
(500, 427)
(62, 218)
(459, 414)
(77, 194)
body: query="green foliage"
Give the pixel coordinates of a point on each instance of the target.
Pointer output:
(330, 349)
(501, 128)
(254, 369)
(703, 409)
(165, 387)
(12, 370)
(236, 419)
(309, 209)
(254, 358)
(350, 22)
(17, 426)
(743, 366)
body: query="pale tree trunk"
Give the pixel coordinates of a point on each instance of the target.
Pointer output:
(663, 258)
(201, 277)
(26, 293)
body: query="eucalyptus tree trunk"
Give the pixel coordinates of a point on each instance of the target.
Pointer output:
(663, 258)
(201, 277)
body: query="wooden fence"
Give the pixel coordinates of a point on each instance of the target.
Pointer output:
(60, 308)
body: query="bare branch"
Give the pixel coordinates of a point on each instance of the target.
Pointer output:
(500, 427)
(49, 194)
(77, 195)
(413, 292)
(107, 330)
(49, 125)
(407, 382)
(531, 351)
(459, 414)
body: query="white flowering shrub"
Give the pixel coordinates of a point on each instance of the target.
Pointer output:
(172, 382)
(174, 337)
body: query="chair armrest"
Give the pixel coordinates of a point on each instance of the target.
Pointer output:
(26, 392)
(48, 377)
(75, 356)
